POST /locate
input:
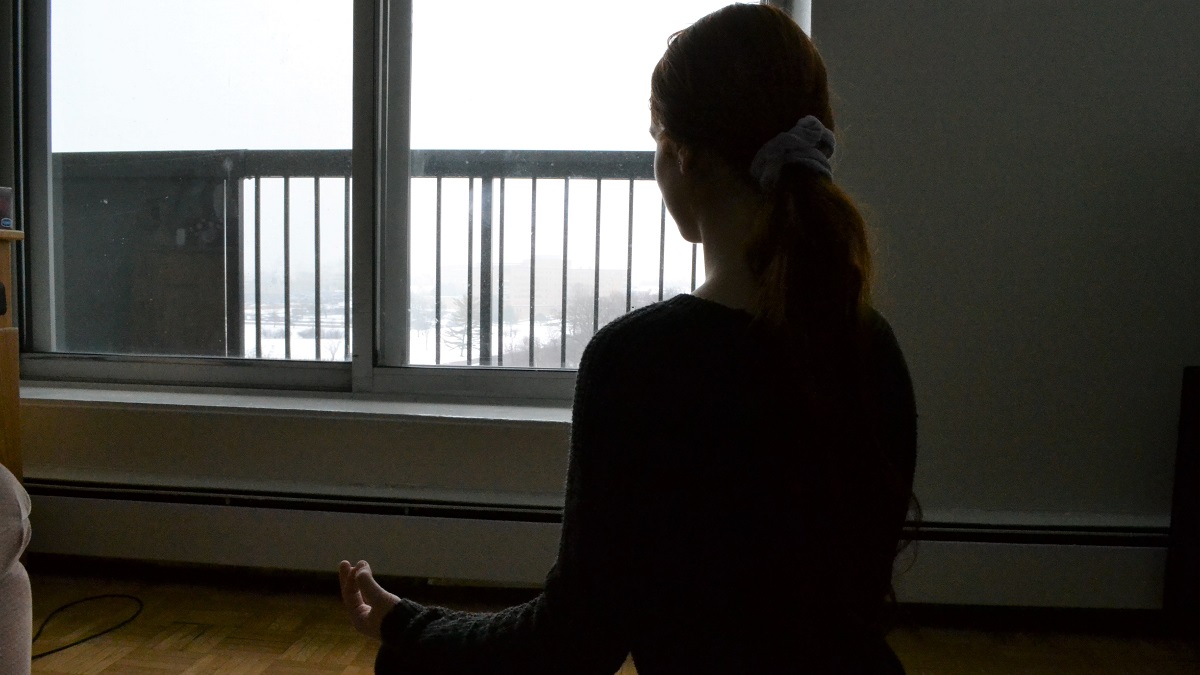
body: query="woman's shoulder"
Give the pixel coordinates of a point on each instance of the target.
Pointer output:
(888, 364)
(668, 327)
(881, 337)
(876, 322)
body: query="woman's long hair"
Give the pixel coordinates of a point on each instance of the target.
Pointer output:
(728, 84)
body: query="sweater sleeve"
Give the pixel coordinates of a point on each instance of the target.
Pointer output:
(580, 622)
(898, 403)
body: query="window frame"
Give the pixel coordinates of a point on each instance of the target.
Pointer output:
(380, 148)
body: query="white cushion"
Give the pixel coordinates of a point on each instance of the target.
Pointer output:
(16, 618)
(14, 519)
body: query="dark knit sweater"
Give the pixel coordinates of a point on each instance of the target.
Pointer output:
(684, 539)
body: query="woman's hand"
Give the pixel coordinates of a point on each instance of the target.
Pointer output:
(365, 600)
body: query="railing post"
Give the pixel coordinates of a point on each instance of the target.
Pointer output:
(500, 294)
(317, 263)
(258, 267)
(287, 267)
(485, 274)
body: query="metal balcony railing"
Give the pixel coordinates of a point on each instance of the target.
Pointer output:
(292, 167)
(300, 307)
(492, 172)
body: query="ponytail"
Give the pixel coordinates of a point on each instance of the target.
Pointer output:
(813, 264)
(812, 260)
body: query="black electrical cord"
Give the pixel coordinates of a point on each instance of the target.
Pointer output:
(136, 614)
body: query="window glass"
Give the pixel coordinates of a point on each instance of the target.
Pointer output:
(534, 215)
(200, 154)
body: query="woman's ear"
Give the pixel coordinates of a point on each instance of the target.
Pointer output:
(675, 152)
(696, 163)
(685, 157)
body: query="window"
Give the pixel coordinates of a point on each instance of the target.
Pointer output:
(199, 196)
(192, 191)
(534, 215)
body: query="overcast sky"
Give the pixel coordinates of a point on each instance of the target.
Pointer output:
(276, 74)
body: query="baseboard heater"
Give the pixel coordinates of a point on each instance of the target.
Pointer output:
(294, 501)
(514, 545)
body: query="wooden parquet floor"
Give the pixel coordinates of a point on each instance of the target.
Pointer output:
(195, 629)
(234, 627)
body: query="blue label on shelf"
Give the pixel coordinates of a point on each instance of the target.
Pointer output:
(5, 223)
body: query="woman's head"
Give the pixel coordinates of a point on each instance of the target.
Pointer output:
(726, 86)
(735, 79)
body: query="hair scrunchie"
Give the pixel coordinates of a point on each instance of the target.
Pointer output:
(808, 143)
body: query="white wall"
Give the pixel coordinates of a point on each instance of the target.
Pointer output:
(334, 446)
(1032, 169)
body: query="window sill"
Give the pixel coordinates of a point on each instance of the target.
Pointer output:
(484, 390)
(264, 402)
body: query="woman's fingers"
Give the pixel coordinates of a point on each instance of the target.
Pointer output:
(351, 597)
(365, 600)
(370, 589)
